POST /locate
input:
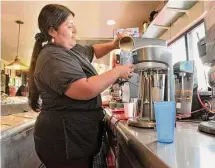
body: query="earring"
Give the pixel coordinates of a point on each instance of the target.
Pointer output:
(52, 40)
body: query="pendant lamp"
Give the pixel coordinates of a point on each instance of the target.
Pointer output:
(17, 64)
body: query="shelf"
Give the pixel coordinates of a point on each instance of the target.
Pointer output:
(169, 14)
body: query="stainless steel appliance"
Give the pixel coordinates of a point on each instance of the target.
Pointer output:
(207, 55)
(184, 79)
(153, 63)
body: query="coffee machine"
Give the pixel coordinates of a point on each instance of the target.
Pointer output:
(153, 64)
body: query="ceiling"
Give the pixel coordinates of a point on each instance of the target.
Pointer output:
(91, 17)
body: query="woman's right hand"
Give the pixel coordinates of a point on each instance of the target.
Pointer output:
(125, 71)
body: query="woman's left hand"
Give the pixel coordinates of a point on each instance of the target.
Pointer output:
(116, 40)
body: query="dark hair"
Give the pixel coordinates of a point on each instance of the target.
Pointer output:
(51, 16)
(21, 89)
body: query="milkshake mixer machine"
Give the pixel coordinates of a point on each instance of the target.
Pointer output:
(153, 64)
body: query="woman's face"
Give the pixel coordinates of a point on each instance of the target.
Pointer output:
(66, 34)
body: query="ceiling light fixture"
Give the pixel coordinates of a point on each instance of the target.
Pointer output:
(17, 64)
(111, 22)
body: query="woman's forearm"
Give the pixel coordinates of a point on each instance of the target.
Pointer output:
(103, 49)
(101, 82)
(87, 88)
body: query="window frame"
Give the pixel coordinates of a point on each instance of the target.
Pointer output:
(185, 34)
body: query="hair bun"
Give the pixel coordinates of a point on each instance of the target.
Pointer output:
(40, 37)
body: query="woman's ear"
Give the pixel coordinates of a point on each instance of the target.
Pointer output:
(52, 32)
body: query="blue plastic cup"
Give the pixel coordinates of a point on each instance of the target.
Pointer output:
(165, 114)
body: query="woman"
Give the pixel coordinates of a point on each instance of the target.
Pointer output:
(68, 129)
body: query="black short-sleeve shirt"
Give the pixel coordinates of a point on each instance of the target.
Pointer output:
(64, 121)
(56, 69)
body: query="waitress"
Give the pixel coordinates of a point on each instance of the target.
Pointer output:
(68, 129)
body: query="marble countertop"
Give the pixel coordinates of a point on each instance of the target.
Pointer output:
(190, 149)
(15, 123)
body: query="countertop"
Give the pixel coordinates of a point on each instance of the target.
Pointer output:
(15, 123)
(190, 149)
(17, 142)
